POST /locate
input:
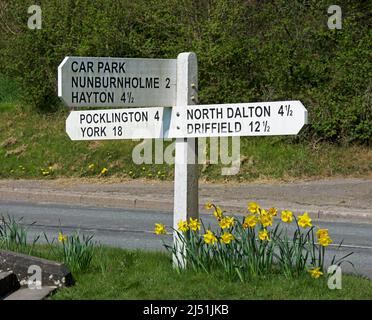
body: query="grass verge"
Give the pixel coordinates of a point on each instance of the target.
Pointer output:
(135, 274)
(36, 146)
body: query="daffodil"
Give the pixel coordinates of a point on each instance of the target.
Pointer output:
(208, 205)
(194, 224)
(322, 233)
(253, 207)
(227, 237)
(265, 219)
(209, 237)
(91, 166)
(287, 216)
(304, 221)
(160, 229)
(226, 222)
(263, 235)
(104, 170)
(183, 226)
(218, 213)
(272, 211)
(250, 221)
(323, 237)
(316, 273)
(325, 241)
(62, 237)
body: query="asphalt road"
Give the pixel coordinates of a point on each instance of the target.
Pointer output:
(134, 228)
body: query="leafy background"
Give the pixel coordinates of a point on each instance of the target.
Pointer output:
(247, 51)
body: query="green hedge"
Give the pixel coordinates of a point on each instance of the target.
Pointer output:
(247, 51)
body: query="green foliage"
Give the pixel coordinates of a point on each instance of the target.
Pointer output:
(78, 251)
(13, 235)
(247, 51)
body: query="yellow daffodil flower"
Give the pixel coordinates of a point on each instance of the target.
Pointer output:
(209, 237)
(250, 221)
(104, 171)
(218, 213)
(194, 224)
(183, 226)
(227, 237)
(272, 211)
(91, 166)
(208, 205)
(304, 221)
(322, 233)
(62, 237)
(263, 235)
(316, 273)
(253, 207)
(325, 241)
(160, 229)
(266, 219)
(287, 216)
(226, 222)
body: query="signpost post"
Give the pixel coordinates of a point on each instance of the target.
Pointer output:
(158, 84)
(186, 199)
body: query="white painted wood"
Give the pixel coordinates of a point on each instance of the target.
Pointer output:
(116, 124)
(186, 202)
(239, 119)
(117, 82)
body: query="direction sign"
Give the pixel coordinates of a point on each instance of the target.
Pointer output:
(117, 82)
(240, 119)
(115, 124)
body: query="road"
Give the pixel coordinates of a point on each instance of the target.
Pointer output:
(134, 228)
(337, 199)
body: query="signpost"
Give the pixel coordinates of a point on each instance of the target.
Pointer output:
(159, 84)
(239, 119)
(114, 124)
(117, 82)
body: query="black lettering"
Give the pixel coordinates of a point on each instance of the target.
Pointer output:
(82, 118)
(121, 67)
(72, 66)
(90, 66)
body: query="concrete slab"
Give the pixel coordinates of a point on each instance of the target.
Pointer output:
(31, 294)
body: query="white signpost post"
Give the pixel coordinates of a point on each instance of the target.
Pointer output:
(159, 84)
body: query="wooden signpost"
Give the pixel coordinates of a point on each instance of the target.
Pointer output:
(166, 89)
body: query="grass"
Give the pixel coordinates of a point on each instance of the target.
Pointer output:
(36, 146)
(126, 274)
